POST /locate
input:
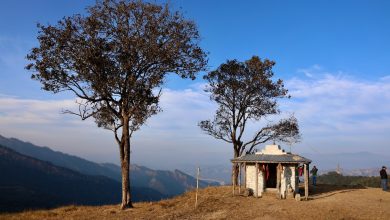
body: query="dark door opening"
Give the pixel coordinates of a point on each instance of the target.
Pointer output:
(271, 180)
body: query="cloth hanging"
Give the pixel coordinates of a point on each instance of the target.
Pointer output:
(300, 170)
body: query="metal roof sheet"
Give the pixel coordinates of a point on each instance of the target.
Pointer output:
(271, 158)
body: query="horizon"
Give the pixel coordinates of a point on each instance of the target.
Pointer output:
(332, 60)
(339, 161)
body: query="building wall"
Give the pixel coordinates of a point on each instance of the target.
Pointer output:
(288, 178)
(251, 179)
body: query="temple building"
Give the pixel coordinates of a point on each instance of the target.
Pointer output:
(272, 170)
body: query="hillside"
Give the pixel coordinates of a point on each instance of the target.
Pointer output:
(326, 202)
(168, 183)
(26, 183)
(58, 158)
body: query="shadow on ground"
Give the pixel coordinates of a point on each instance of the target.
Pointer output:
(325, 190)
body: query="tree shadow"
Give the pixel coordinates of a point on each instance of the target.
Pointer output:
(325, 190)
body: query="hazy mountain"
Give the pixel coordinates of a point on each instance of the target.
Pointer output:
(217, 173)
(355, 172)
(362, 172)
(350, 164)
(58, 158)
(27, 183)
(349, 161)
(168, 183)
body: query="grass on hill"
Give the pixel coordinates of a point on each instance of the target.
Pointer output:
(325, 202)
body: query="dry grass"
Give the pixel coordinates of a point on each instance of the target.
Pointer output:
(218, 203)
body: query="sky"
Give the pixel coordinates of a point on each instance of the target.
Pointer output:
(334, 57)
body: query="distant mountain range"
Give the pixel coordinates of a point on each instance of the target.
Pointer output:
(221, 173)
(26, 182)
(148, 184)
(58, 158)
(354, 172)
(350, 164)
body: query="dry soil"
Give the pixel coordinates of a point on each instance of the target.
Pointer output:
(325, 202)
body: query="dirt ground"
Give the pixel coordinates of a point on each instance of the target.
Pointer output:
(325, 202)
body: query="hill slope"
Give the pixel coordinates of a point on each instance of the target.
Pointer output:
(166, 182)
(58, 158)
(26, 183)
(218, 203)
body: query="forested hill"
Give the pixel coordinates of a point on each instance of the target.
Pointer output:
(168, 183)
(58, 158)
(27, 183)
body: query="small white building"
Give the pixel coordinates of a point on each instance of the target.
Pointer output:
(272, 170)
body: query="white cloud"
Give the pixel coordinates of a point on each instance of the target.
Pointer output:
(28, 111)
(336, 113)
(386, 78)
(173, 131)
(342, 112)
(180, 107)
(41, 122)
(311, 71)
(341, 96)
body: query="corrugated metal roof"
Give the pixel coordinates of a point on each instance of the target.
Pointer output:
(271, 158)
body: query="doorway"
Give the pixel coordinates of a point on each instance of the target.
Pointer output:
(271, 180)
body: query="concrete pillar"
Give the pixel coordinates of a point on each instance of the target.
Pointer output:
(293, 178)
(245, 176)
(257, 180)
(239, 178)
(306, 173)
(296, 180)
(233, 179)
(278, 179)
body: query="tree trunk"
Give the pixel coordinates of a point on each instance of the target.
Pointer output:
(235, 169)
(125, 166)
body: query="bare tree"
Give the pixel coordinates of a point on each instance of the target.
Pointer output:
(114, 59)
(245, 91)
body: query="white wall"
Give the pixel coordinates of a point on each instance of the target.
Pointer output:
(288, 178)
(251, 179)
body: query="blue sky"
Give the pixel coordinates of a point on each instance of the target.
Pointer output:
(334, 57)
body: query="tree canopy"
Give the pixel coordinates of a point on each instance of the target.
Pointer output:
(113, 59)
(246, 91)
